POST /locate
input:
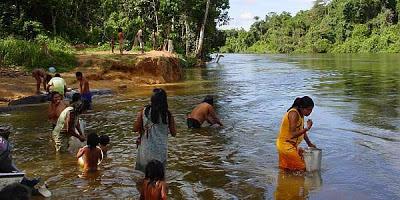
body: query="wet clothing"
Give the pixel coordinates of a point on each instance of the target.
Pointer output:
(193, 123)
(287, 147)
(60, 135)
(88, 98)
(154, 142)
(57, 84)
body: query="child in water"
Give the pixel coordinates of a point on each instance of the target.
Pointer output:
(90, 155)
(104, 141)
(154, 186)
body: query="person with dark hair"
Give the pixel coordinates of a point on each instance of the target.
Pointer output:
(90, 155)
(203, 112)
(104, 141)
(292, 133)
(56, 106)
(41, 77)
(153, 124)
(154, 186)
(121, 40)
(15, 191)
(57, 84)
(68, 125)
(84, 89)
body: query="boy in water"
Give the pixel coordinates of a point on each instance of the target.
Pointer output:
(154, 186)
(90, 155)
(84, 89)
(104, 141)
(56, 106)
(121, 40)
(203, 112)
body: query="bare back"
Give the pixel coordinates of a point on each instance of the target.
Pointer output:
(55, 110)
(84, 86)
(91, 156)
(158, 191)
(201, 112)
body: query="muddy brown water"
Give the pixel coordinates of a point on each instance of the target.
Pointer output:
(356, 123)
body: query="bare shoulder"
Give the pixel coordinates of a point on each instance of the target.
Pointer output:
(293, 115)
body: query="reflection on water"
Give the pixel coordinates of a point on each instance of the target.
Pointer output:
(296, 185)
(356, 123)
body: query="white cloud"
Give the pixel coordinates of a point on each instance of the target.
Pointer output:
(246, 15)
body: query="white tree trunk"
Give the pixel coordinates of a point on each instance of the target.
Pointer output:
(203, 26)
(187, 32)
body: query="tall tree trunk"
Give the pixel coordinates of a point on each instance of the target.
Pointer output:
(201, 38)
(187, 33)
(53, 20)
(155, 14)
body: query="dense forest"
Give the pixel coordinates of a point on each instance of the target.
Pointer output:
(31, 30)
(335, 26)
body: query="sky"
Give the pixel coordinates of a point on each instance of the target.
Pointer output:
(243, 12)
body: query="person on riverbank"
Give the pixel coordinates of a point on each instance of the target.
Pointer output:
(154, 186)
(139, 37)
(68, 125)
(153, 124)
(57, 84)
(84, 89)
(90, 155)
(292, 133)
(203, 112)
(41, 78)
(56, 106)
(121, 40)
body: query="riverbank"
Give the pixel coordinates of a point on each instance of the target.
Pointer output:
(103, 69)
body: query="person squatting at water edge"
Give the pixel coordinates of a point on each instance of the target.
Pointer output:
(68, 124)
(203, 112)
(292, 133)
(154, 185)
(153, 124)
(57, 84)
(56, 106)
(41, 77)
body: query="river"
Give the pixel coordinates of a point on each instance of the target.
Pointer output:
(356, 124)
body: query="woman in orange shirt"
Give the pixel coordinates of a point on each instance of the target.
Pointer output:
(292, 133)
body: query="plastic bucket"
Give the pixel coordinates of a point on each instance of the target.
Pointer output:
(312, 159)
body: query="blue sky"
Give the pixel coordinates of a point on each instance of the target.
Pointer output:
(243, 11)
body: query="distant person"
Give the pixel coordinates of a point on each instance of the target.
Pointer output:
(292, 132)
(154, 39)
(104, 142)
(153, 124)
(68, 124)
(15, 191)
(154, 186)
(57, 84)
(84, 89)
(41, 78)
(203, 112)
(91, 154)
(112, 44)
(56, 106)
(121, 40)
(139, 36)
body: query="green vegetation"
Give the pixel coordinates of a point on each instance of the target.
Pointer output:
(336, 26)
(24, 24)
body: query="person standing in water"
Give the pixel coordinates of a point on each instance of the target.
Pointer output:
(121, 40)
(203, 112)
(84, 89)
(154, 186)
(90, 155)
(56, 106)
(68, 124)
(292, 133)
(153, 124)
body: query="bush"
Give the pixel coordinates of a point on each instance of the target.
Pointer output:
(41, 53)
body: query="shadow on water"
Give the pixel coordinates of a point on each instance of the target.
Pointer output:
(356, 123)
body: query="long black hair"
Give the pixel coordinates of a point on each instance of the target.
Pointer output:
(209, 99)
(154, 171)
(92, 140)
(158, 107)
(302, 102)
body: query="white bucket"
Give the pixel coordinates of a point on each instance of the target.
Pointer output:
(312, 159)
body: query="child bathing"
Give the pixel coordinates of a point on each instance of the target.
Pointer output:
(90, 155)
(154, 186)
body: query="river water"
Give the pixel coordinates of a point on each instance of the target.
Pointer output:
(356, 123)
